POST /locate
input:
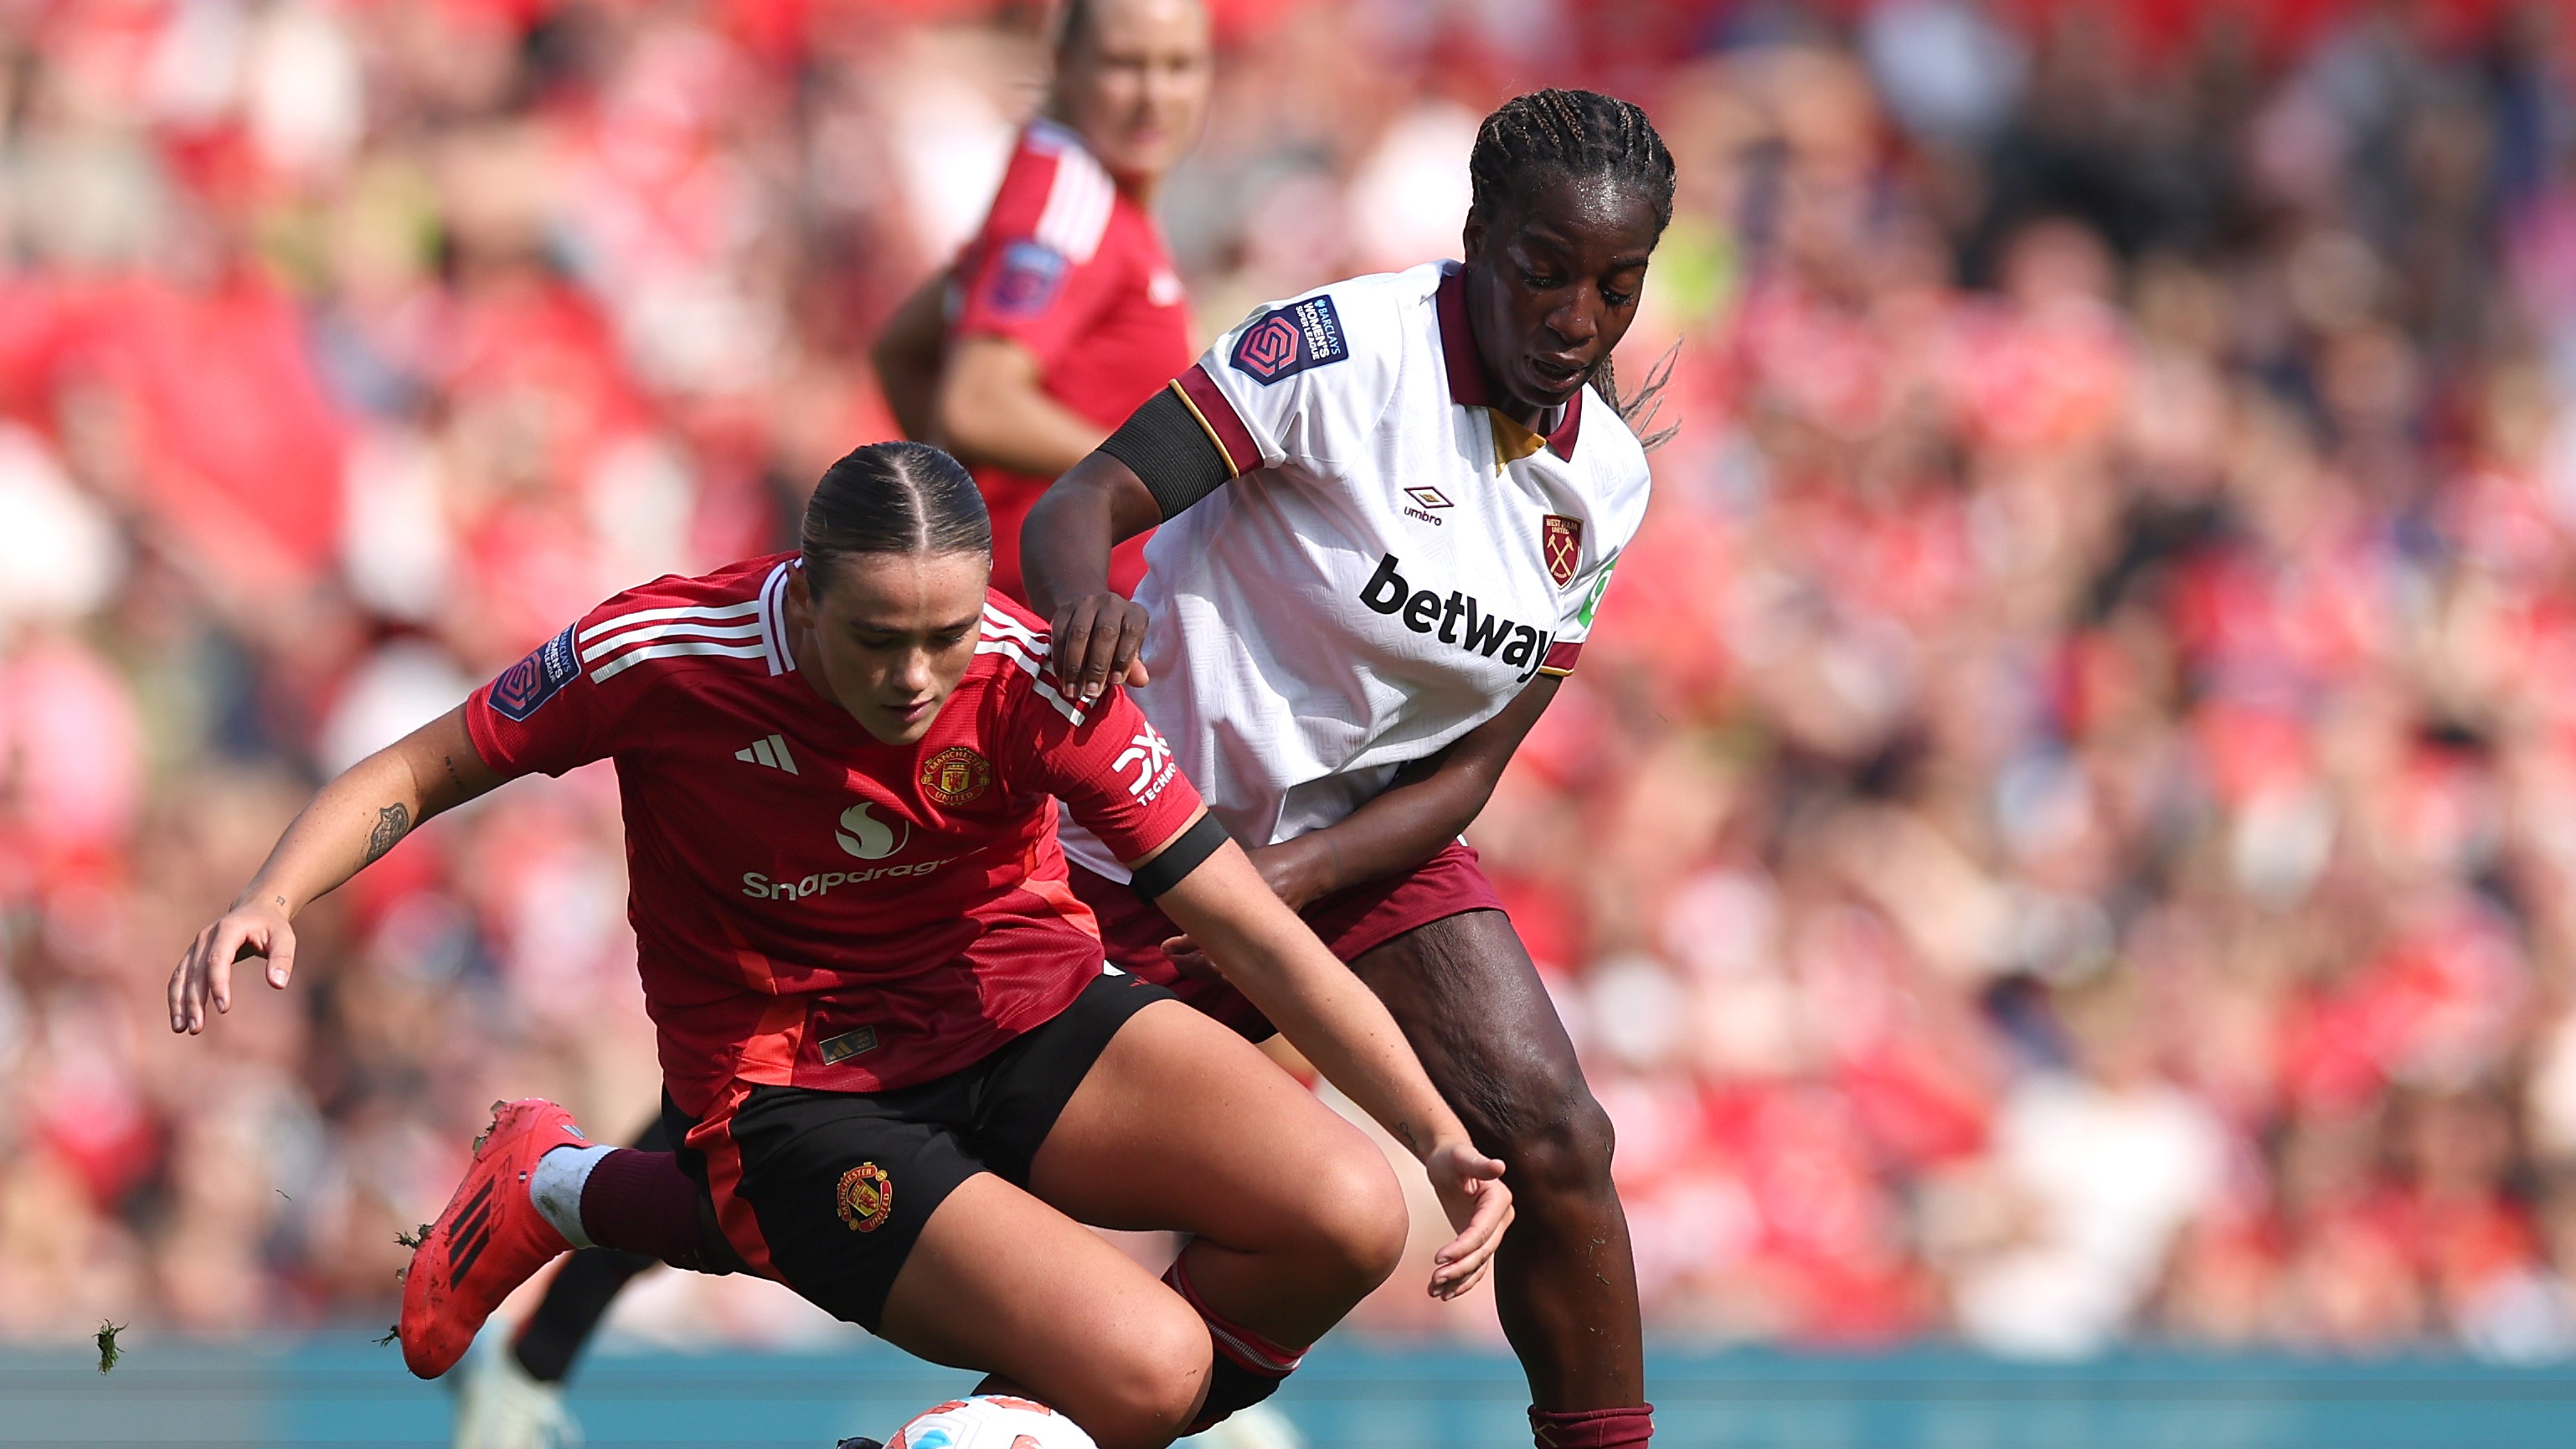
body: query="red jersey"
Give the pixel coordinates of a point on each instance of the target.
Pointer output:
(1073, 270)
(814, 907)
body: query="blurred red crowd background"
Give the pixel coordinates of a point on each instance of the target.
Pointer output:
(2063, 836)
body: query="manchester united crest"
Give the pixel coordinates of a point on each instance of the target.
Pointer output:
(866, 1195)
(1561, 540)
(955, 775)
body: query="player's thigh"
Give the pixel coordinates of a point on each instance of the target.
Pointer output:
(1000, 1281)
(1182, 1124)
(1470, 1001)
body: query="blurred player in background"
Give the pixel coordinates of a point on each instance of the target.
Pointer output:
(1059, 318)
(1064, 312)
(1388, 512)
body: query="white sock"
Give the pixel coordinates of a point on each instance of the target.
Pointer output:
(555, 1187)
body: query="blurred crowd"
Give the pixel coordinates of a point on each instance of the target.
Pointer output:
(2063, 836)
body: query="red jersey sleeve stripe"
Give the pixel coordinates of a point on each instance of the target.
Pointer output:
(1206, 401)
(712, 613)
(1005, 637)
(1078, 204)
(1560, 659)
(624, 662)
(644, 633)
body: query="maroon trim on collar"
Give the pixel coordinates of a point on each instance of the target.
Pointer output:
(1458, 344)
(1467, 384)
(1561, 442)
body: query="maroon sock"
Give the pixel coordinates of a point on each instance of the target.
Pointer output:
(1248, 1367)
(1593, 1428)
(642, 1202)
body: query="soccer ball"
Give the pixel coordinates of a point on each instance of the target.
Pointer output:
(990, 1421)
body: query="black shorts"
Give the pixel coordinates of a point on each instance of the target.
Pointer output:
(828, 1191)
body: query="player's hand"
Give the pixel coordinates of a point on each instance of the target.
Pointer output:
(1298, 871)
(205, 973)
(1190, 961)
(1471, 1191)
(1095, 641)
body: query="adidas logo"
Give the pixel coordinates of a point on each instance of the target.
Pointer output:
(470, 1235)
(771, 752)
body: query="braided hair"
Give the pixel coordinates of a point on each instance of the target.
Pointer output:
(899, 498)
(1582, 135)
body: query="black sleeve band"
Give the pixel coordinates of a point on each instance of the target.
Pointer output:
(1166, 445)
(1178, 859)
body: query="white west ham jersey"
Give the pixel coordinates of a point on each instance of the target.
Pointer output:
(1392, 562)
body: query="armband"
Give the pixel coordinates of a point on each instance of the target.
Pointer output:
(1164, 443)
(1178, 859)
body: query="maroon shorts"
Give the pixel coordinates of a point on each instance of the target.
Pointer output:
(1352, 922)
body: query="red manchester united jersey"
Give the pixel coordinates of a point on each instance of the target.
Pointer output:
(1072, 269)
(813, 907)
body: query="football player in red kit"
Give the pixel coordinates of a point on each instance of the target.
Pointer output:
(1061, 315)
(1064, 312)
(900, 1076)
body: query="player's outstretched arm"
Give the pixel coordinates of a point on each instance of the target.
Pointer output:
(1093, 634)
(1340, 1025)
(348, 824)
(1425, 807)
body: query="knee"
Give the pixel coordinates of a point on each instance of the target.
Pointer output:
(1150, 1388)
(1358, 1221)
(1555, 1142)
(1370, 1228)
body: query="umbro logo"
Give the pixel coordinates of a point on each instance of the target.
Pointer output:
(771, 752)
(1426, 497)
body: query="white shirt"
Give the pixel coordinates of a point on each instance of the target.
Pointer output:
(1392, 563)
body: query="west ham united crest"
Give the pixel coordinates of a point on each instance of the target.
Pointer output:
(1561, 540)
(955, 775)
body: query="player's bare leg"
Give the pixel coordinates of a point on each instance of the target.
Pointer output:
(1183, 1124)
(1565, 1282)
(1001, 1281)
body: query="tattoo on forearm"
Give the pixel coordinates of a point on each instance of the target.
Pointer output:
(281, 901)
(391, 822)
(1405, 1131)
(450, 762)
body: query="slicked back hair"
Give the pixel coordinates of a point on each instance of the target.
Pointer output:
(893, 498)
(1582, 134)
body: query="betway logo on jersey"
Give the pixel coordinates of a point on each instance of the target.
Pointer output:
(1458, 619)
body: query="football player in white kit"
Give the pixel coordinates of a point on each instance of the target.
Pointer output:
(1387, 512)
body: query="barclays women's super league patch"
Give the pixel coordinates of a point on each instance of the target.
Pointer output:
(1030, 274)
(1290, 340)
(533, 680)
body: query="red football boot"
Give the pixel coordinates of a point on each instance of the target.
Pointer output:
(490, 1239)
